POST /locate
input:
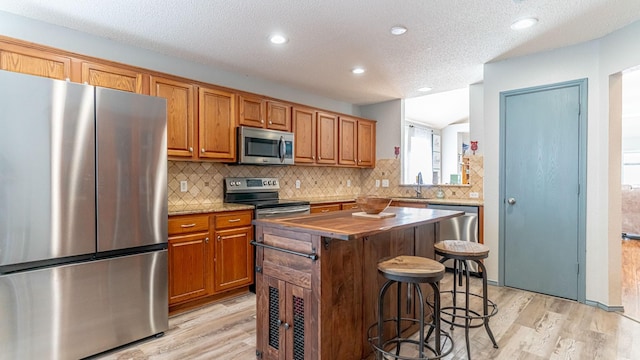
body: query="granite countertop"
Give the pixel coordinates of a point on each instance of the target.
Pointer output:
(206, 208)
(466, 202)
(344, 226)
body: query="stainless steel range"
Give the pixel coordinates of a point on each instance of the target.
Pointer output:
(263, 194)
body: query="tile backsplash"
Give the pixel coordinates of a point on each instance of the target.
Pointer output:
(205, 181)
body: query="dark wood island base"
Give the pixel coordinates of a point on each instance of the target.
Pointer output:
(317, 279)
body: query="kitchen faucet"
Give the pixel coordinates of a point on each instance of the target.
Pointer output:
(419, 184)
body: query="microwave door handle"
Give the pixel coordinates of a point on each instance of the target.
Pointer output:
(282, 149)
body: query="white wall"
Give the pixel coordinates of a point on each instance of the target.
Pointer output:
(388, 115)
(81, 43)
(451, 148)
(594, 60)
(476, 115)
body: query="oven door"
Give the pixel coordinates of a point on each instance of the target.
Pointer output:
(279, 212)
(264, 147)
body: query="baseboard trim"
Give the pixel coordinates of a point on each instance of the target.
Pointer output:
(492, 282)
(604, 307)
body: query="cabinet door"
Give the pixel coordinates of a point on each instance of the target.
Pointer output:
(113, 77)
(271, 317)
(180, 114)
(233, 259)
(327, 138)
(278, 116)
(217, 122)
(189, 267)
(298, 317)
(366, 143)
(348, 141)
(304, 130)
(34, 62)
(284, 320)
(252, 111)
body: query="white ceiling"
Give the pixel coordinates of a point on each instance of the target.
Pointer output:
(447, 43)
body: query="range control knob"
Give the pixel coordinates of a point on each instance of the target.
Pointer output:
(264, 182)
(237, 183)
(275, 182)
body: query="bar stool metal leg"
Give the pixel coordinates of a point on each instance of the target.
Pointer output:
(485, 302)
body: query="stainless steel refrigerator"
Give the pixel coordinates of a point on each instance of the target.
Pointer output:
(83, 218)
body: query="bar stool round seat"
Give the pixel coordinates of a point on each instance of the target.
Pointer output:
(410, 270)
(461, 252)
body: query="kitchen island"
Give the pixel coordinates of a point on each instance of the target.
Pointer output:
(317, 279)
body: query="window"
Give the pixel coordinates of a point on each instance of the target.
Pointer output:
(417, 154)
(631, 168)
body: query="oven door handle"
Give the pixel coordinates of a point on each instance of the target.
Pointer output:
(280, 212)
(281, 149)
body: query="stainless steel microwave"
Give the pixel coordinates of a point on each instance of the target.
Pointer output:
(264, 147)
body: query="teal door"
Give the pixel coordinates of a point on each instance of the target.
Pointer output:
(541, 173)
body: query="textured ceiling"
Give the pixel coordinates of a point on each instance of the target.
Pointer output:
(447, 43)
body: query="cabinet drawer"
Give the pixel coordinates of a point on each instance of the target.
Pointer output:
(324, 208)
(236, 219)
(349, 206)
(188, 224)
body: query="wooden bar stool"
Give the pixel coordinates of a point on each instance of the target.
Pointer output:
(413, 271)
(461, 252)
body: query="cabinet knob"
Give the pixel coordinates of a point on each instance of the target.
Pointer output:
(286, 326)
(261, 121)
(206, 240)
(270, 122)
(319, 157)
(190, 149)
(219, 238)
(313, 157)
(202, 150)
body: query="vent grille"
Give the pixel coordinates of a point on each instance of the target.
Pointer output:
(274, 318)
(298, 328)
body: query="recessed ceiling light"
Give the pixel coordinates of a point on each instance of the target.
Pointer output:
(398, 30)
(358, 70)
(278, 39)
(425, 89)
(524, 23)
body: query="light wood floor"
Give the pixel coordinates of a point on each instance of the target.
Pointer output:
(527, 326)
(631, 278)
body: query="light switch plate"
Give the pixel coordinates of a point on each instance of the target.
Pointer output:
(377, 183)
(183, 186)
(385, 182)
(474, 195)
(297, 184)
(348, 183)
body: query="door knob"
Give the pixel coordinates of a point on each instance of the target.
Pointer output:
(511, 201)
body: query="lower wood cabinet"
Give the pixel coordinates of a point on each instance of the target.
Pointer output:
(233, 259)
(210, 256)
(189, 267)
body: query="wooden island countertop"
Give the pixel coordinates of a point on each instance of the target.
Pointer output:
(343, 225)
(317, 281)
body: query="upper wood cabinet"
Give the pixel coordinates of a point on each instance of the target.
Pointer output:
(181, 124)
(34, 62)
(357, 142)
(348, 147)
(278, 116)
(251, 110)
(316, 136)
(304, 130)
(366, 143)
(114, 77)
(216, 125)
(327, 138)
(256, 111)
